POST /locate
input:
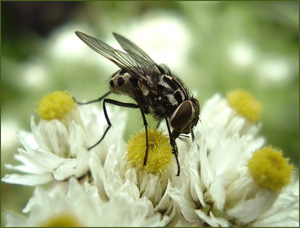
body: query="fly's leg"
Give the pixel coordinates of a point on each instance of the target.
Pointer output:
(118, 103)
(193, 135)
(138, 99)
(173, 136)
(93, 101)
(146, 131)
(158, 123)
(128, 105)
(193, 139)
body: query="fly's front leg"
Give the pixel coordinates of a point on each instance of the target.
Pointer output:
(193, 139)
(173, 136)
(110, 101)
(158, 123)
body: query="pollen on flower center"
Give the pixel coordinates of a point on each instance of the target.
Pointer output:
(159, 154)
(245, 104)
(270, 169)
(55, 105)
(61, 220)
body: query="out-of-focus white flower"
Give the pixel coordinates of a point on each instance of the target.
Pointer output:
(75, 204)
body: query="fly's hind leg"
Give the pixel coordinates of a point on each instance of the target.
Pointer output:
(92, 101)
(110, 101)
(114, 102)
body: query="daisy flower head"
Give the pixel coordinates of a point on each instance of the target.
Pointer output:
(245, 104)
(55, 105)
(269, 168)
(238, 113)
(56, 149)
(232, 183)
(124, 172)
(159, 154)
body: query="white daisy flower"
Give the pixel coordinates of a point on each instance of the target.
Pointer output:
(75, 204)
(236, 114)
(57, 147)
(56, 151)
(120, 172)
(224, 189)
(284, 212)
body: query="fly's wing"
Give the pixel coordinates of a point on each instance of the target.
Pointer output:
(133, 49)
(132, 62)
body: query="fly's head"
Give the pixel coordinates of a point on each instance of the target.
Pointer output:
(186, 116)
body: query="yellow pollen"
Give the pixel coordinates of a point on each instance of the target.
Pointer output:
(61, 220)
(269, 168)
(55, 105)
(245, 104)
(159, 151)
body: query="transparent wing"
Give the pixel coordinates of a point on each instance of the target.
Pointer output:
(131, 62)
(133, 49)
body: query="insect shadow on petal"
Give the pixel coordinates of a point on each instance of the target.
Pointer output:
(155, 89)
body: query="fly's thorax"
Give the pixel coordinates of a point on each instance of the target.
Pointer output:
(186, 116)
(173, 89)
(163, 98)
(121, 83)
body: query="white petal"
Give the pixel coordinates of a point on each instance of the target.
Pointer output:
(207, 174)
(196, 191)
(30, 180)
(65, 169)
(29, 165)
(217, 192)
(284, 212)
(27, 140)
(73, 166)
(186, 205)
(15, 220)
(249, 209)
(211, 219)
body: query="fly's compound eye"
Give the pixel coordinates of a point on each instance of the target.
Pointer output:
(182, 116)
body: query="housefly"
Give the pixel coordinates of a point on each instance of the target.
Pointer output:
(154, 88)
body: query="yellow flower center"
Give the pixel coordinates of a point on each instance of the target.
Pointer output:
(61, 220)
(245, 104)
(55, 105)
(270, 169)
(159, 151)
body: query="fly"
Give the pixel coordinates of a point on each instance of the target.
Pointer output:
(155, 89)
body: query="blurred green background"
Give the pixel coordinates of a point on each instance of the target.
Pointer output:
(213, 46)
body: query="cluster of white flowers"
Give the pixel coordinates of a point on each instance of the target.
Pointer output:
(99, 187)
